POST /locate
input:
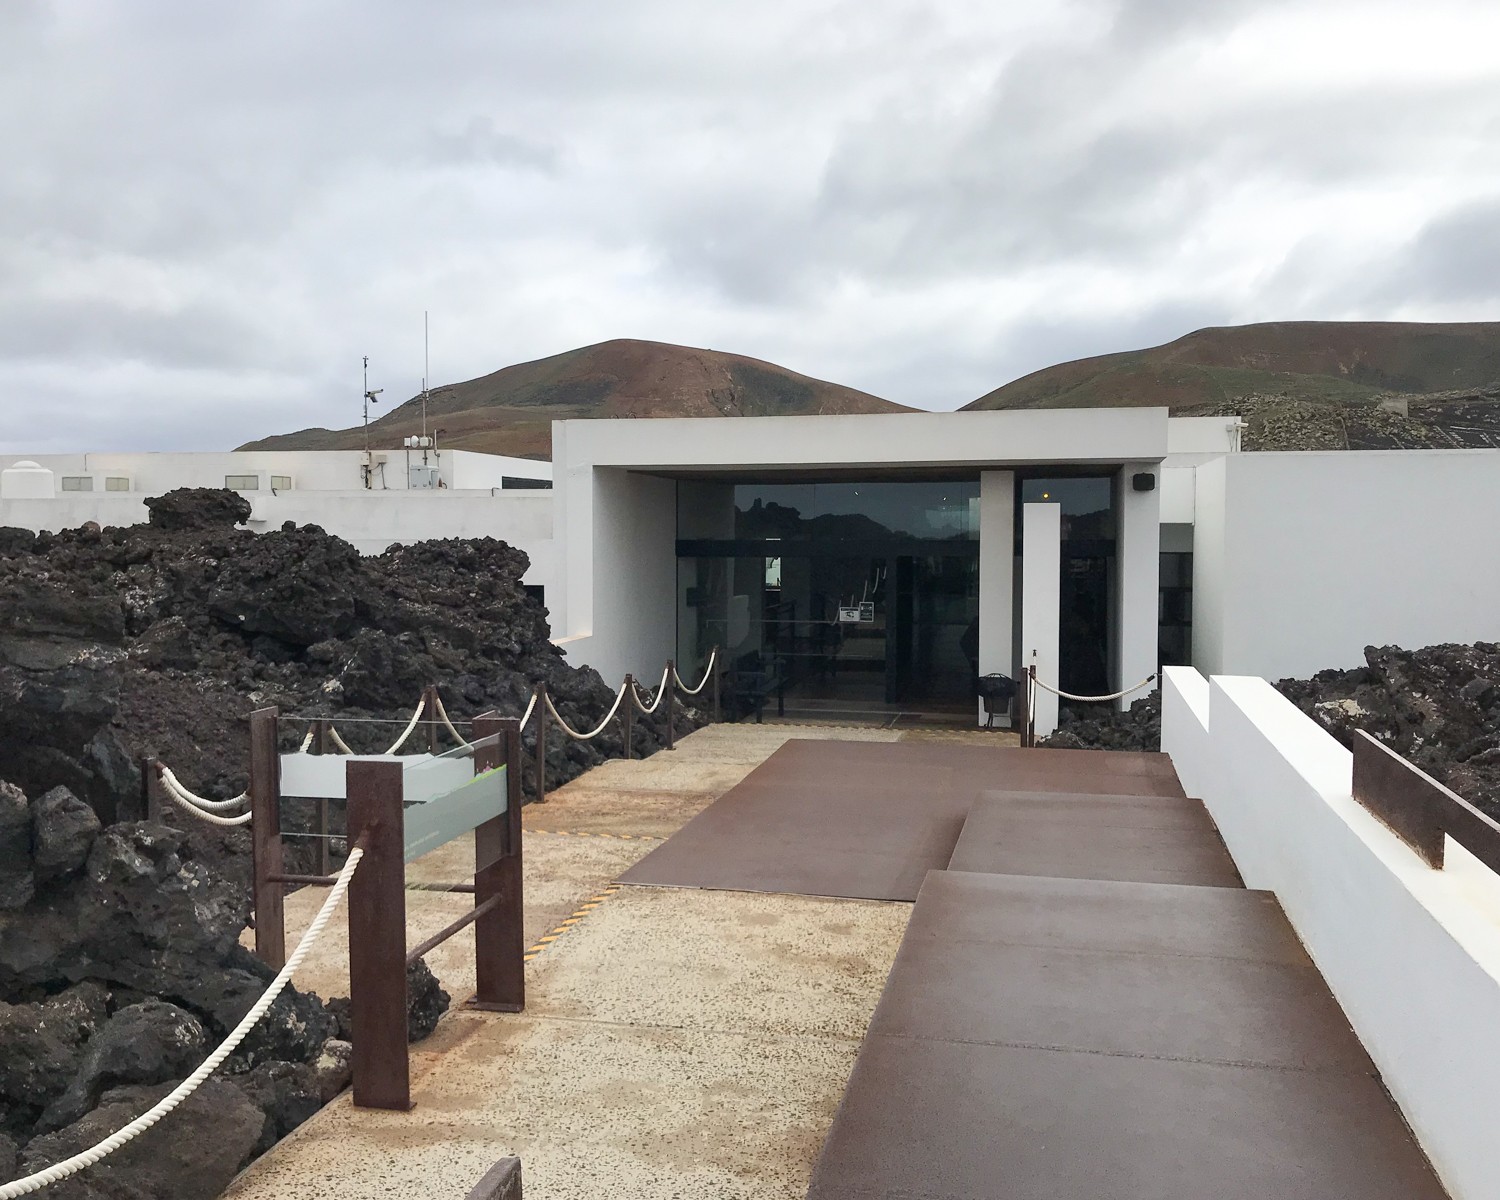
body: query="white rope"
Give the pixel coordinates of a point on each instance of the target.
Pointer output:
(443, 714)
(702, 683)
(87, 1158)
(598, 729)
(338, 742)
(306, 743)
(530, 708)
(411, 725)
(200, 806)
(661, 690)
(184, 800)
(1095, 699)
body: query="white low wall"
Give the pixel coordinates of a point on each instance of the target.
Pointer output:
(1412, 954)
(369, 520)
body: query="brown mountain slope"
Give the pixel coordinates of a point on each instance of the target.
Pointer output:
(511, 411)
(1335, 360)
(1300, 384)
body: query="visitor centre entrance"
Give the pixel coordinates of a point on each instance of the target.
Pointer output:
(860, 599)
(838, 599)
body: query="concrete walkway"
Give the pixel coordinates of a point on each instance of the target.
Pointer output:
(676, 1043)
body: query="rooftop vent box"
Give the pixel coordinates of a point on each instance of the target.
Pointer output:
(424, 477)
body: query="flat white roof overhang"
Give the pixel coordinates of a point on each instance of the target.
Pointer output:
(881, 442)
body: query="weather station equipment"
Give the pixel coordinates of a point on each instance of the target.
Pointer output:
(370, 460)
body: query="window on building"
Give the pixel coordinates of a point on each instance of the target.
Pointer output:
(509, 482)
(242, 483)
(1175, 611)
(116, 483)
(78, 483)
(281, 483)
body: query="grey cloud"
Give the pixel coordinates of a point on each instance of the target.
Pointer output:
(212, 212)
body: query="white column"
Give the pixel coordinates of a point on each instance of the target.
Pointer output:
(1139, 558)
(1041, 600)
(997, 550)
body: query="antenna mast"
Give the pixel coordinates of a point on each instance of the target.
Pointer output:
(425, 376)
(369, 399)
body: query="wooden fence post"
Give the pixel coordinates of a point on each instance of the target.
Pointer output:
(265, 838)
(430, 717)
(669, 685)
(150, 790)
(627, 712)
(377, 937)
(718, 714)
(541, 743)
(499, 936)
(320, 746)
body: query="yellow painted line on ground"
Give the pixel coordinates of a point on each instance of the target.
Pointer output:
(583, 910)
(623, 837)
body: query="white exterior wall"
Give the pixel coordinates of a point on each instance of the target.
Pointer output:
(598, 622)
(1041, 582)
(997, 566)
(635, 577)
(370, 521)
(1303, 559)
(1411, 953)
(311, 470)
(1139, 558)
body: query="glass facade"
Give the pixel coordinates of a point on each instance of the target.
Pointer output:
(844, 595)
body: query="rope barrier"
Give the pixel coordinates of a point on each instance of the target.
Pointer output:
(442, 713)
(306, 743)
(661, 690)
(530, 708)
(1095, 699)
(597, 730)
(412, 724)
(702, 683)
(204, 810)
(87, 1158)
(339, 744)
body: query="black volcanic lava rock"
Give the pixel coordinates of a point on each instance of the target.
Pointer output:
(143, 1043)
(17, 878)
(426, 1001)
(197, 508)
(191, 1154)
(63, 831)
(1103, 727)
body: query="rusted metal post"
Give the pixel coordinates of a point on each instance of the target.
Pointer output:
(541, 743)
(499, 939)
(377, 937)
(627, 712)
(718, 715)
(670, 686)
(265, 838)
(320, 746)
(150, 789)
(430, 717)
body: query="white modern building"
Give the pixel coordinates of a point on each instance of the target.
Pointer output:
(880, 563)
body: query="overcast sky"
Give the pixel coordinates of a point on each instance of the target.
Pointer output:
(209, 212)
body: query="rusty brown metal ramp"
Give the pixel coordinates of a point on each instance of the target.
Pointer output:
(1088, 1040)
(1129, 839)
(868, 820)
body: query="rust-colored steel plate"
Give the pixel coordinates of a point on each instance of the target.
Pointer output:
(1099, 1040)
(1124, 838)
(869, 819)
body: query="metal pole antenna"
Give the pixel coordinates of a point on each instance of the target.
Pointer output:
(366, 390)
(426, 369)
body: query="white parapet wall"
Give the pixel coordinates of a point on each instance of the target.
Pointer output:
(1411, 953)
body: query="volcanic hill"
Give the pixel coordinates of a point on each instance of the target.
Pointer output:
(511, 410)
(1301, 385)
